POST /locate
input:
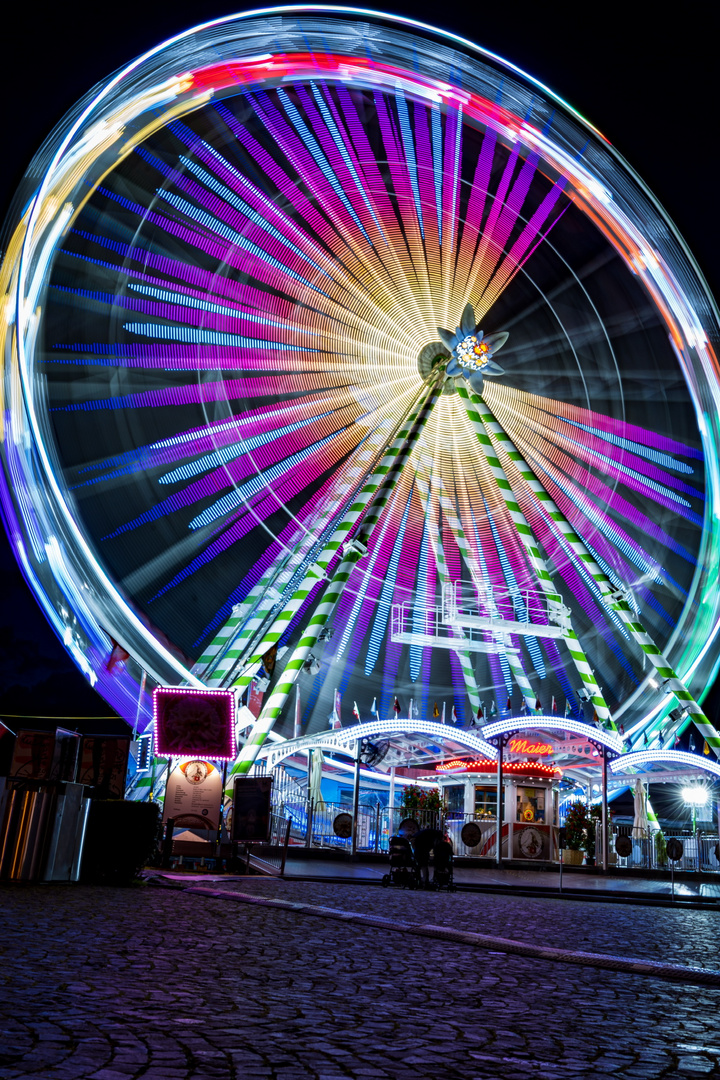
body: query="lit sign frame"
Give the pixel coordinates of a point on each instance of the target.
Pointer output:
(213, 751)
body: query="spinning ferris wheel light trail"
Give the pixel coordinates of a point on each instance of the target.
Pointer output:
(222, 304)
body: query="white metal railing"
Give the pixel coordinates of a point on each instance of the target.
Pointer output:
(700, 851)
(502, 610)
(429, 628)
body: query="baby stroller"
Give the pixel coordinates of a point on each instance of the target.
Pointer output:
(443, 866)
(403, 867)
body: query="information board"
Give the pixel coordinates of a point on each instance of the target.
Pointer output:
(193, 795)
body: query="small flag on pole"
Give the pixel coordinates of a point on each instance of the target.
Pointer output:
(493, 708)
(443, 714)
(568, 709)
(524, 707)
(554, 705)
(296, 732)
(480, 713)
(373, 710)
(396, 707)
(706, 747)
(538, 706)
(691, 744)
(436, 711)
(336, 720)
(509, 705)
(356, 711)
(454, 715)
(411, 708)
(677, 743)
(661, 741)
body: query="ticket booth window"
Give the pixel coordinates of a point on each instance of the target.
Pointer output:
(485, 802)
(531, 804)
(455, 796)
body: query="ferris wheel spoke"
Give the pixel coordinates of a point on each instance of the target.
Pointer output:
(603, 515)
(537, 562)
(542, 430)
(613, 597)
(374, 494)
(346, 485)
(367, 514)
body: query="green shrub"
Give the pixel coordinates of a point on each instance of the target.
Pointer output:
(576, 823)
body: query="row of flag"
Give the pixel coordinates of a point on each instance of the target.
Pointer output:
(482, 714)
(255, 702)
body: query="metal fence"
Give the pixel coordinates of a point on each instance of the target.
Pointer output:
(312, 825)
(271, 857)
(700, 852)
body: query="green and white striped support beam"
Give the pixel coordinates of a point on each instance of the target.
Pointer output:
(249, 620)
(514, 662)
(245, 629)
(384, 474)
(233, 639)
(366, 510)
(463, 655)
(614, 598)
(477, 412)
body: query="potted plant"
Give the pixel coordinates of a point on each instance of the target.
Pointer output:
(661, 855)
(576, 821)
(419, 802)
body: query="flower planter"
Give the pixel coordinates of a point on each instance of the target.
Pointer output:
(572, 858)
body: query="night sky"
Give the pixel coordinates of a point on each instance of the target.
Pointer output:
(646, 82)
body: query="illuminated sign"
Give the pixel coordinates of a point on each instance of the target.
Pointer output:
(191, 722)
(524, 746)
(457, 764)
(553, 723)
(523, 767)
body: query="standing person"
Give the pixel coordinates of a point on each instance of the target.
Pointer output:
(422, 844)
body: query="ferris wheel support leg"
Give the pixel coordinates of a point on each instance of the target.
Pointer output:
(477, 414)
(378, 484)
(464, 657)
(235, 637)
(612, 597)
(514, 663)
(367, 513)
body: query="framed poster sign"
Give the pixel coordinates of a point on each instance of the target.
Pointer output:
(251, 809)
(193, 795)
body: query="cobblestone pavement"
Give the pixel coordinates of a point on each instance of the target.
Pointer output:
(165, 985)
(691, 938)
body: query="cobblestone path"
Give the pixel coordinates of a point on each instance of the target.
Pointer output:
(165, 985)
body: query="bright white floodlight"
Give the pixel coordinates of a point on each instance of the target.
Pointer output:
(695, 796)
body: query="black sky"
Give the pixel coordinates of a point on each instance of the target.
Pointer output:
(647, 81)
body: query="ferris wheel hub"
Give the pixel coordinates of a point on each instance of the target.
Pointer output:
(471, 351)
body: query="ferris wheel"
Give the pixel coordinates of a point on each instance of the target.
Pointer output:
(339, 344)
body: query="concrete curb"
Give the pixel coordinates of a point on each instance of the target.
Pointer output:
(670, 972)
